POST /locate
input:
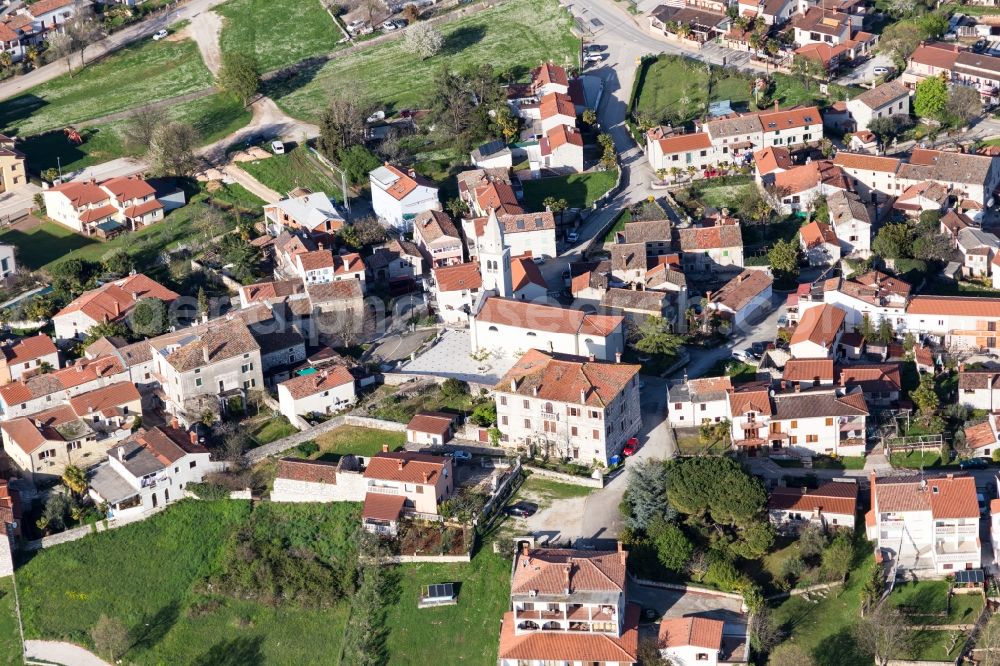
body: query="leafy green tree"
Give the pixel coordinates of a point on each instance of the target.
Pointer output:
(39, 308)
(506, 122)
(453, 388)
(357, 161)
(73, 276)
(118, 263)
(655, 339)
(555, 206)
(646, 495)
(931, 97)
(75, 480)
(755, 540)
(886, 333)
(894, 241)
(589, 117)
(837, 557)
(716, 487)
(484, 414)
(240, 75)
(672, 547)
(203, 304)
(866, 328)
(106, 329)
(783, 258)
(925, 396)
(242, 258)
(609, 156)
(899, 40)
(149, 318)
(932, 25)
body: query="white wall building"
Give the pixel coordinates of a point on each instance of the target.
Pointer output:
(398, 196)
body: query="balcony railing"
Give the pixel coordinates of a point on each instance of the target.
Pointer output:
(383, 490)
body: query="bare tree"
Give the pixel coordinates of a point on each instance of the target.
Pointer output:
(342, 125)
(61, 46)
(964, 103)
(141, 126)
(84, 29)
(988, 642)
(171, 150)
(884, 632)
(424, 39)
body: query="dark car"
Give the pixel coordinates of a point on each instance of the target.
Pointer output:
(522, 509)
(973, 463)
(979, 46)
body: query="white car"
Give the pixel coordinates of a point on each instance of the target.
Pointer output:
(159, 34)
(880, 71)
(277, 147)
(354, 26)
(593, 57)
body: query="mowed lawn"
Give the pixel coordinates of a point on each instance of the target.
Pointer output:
(213, 117)
(139, 74)
(678, 88)
(279, 32)
(579, 190)
(517, 34)
(469, 632)
(355, 440)
(296, 168)
(10, 637)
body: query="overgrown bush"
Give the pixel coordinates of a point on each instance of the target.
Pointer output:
(208, 491)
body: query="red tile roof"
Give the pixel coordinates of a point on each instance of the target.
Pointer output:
(435, 423)
(557, 104)
(406, 466)
(143, 208)
(980, 435)
(569, 379)
(970, 306)
(866, 162)
(45, 6)
(772, 159)
(831, 497)
(126, 188)
(560, 135)
(816, 233)
(684, 142)
(105, 400)
(559, 646)
(808, 369)
(523, 272)
(945, 497)
(691, 631)
(434, 224)
(549, 73)
(28, 433)
(935, 56)
(819, 325)
(115, 299)
(383, 507)
(310, 471)
(303, 386)
(29, 349)
(544, 571)
(458, 277)
(81, 193)
(522, 314)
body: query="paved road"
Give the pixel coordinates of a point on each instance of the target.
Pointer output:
(141, 30)
(56, 652)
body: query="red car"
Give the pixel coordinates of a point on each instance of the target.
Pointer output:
(631, 446)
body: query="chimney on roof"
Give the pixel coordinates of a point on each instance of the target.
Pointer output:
(194, 437)
(534, 390)
(121, 453)
(798, 386)
(591, 358)
(174, 423)
(566, 571)
(513, 385)
(775, 105)
(427, 477)
(413, 174)
(204, 353)
(118, 308)
(385, 448)
(583, 395)
(524, 548)
(618, 357)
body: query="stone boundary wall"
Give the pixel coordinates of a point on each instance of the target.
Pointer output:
(565, 478)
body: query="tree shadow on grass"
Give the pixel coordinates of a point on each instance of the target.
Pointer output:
(841, 649)
(237, 652)
(463, 38)
(153, 628)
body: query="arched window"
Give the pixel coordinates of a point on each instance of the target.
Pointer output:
(548, 408)
(493, 328)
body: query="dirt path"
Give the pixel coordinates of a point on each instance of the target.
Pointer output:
(251, 183)
(268, 122)
(56, 652)
(205, 29)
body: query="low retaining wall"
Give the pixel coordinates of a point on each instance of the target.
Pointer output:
(281, 445)
(566, 478)
(805, 590)
(85, 530)
(682, 587)
(412, 559)
(378, 424)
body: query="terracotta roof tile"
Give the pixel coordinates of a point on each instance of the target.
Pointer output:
(436, 423)
(569, 379)
(557, 104)
(303, 386)
(29, 349)
(742, 289)
(406, 466)
(808, 369)
(458, 277)
(559, 646)
(691, 631)
(954, 305)
(944, 496)
(816, 233)
(105, 400)
(684, 142)
(542, 317)
(819, 325)
(310, 471)
(434, 224)
(979, 435)
(831, 497)
(866, 162)
(383, 507)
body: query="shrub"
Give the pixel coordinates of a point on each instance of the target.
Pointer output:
(792, 568)
(208, 491)
(724, 575)
(307, 448)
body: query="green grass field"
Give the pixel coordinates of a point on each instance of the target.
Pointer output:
(356, 440)
(402, 408)
(152, 575)
(579, 190)
(49, 243)
(516, 34)
(470, 631)
(279, 33)
(926, 602)
(10, 637)
(235, 194)
(273, 430)
(296, 168)
(213, 117)
(139, 74)
(724, 196)
(916, 459)
(538, 488)
(678, 88)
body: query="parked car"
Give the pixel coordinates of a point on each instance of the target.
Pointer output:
(538, 261)
(741, 356)
(783, 321)
(751, 353)
(980, 46)
(973, 463)
(981, 501)
(881, 71)
(572, 236)
(394, 24)
(593, 57)
(759, 348)
(522, 509)
(595, 48)
(159, 34)
(461, 455)
(277, 147)
(631, 446)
